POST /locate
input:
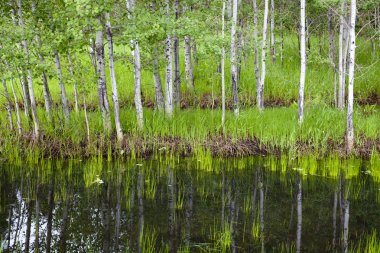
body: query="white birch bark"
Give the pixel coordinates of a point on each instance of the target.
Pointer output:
(8, 105)
(169, 71)
(331, 37)
(188, 65)
(233, 60)
(342, 77)
(351, 72)
(102, 88)
(177, 77)
(30, 76)
(71, 68)
(160, 102)
(260, 94)
(18, 118)
(272, 27)
(303, 62)
(115, 97)
(256, 52)
(222, 68)
(136, 71)
(64, 101)
(86, 119)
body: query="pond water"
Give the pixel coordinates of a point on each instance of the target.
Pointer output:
(187, 205)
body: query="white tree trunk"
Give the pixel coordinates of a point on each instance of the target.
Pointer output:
(188, 65)
(342, 76)
(233, 60)
(160, 102)
(8, 105)
(260, 94)
(351, 71)
(71, 68)
(65, 106)
(177, 76)
(331, 37)
(30, 77)
(102, 88)
(86, 119)
(272, 25)
(303, 62)
(256, 52)
(18, 118)
(115, 97)
(136, 71)
(222, 68)
(169, 71)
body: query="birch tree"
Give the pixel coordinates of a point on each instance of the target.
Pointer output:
(63, 95)
(169, 70)
(256, 52)
(8, 105)
(29, 73)
(160, 103)
(102, 88)
(188, 65)
(233, 60)
(115, 97)
(136, 70)
(260, 90)
(342, 39)
(177, 77)
(351, 70)
(272, 25)
(303, 62)
(222, 68)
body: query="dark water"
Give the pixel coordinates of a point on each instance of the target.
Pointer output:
(247, 205)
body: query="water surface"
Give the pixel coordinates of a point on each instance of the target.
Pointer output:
(183, 205)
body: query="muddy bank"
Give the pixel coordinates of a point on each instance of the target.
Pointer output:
(216, 146)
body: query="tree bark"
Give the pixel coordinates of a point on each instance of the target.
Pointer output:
(8, 105)
(342, 77)
(331, 37)
(115, 97)
(65, 104)
(160, 103)
(102, 89)
(188, 65)
(71, 68)
(169, 71)
(18, 118)
(233, 60)
(177, 76)
(30, 76)
(222, 69)
(136, 71)
(272, 25)
(260, 94)
(256, 52)
(351, 72)
(86, 119)
(93, 56)
(303, 63)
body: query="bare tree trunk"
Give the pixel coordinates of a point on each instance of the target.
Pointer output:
(260, 93)
(160, 103)
(169, 71)
(30, 76)
(102, 89)
(222, 69)
(8, 105)
(65, 106)
(71, 68)
(342, 77)
(256, 52)
(351, 72)
(25, 94)
(331, 37)
(188, 65)
(93, 55)
(18, 118)
(45, 87)
(115, 97)
(177, 77)
(136, 71)
(272, 24)
(233, 60)
(303, 63)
